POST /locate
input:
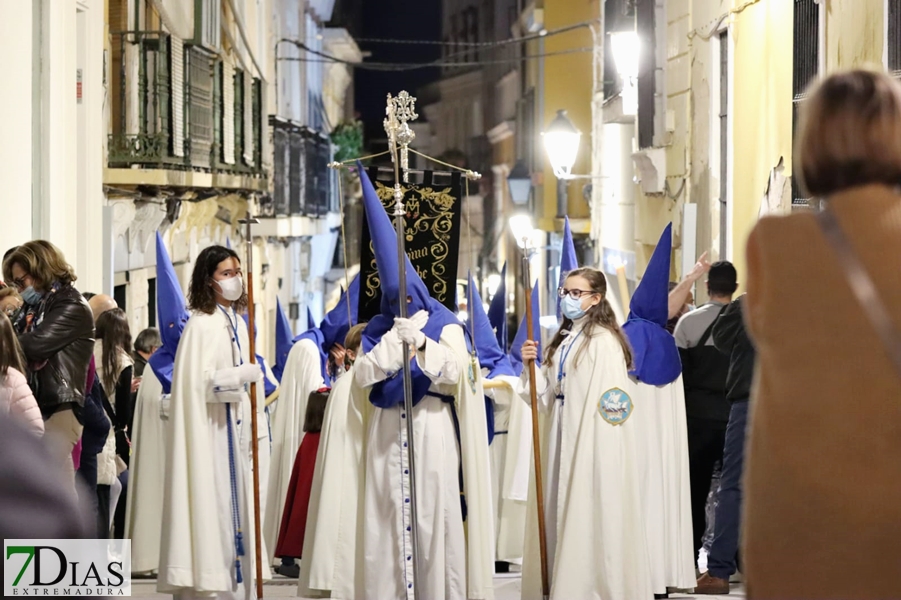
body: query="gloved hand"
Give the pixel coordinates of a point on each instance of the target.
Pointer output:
(249, 373)
(410, 330)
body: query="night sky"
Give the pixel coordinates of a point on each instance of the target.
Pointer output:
(395, 19)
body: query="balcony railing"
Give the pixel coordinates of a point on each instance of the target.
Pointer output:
(168, 107)
(304, 185)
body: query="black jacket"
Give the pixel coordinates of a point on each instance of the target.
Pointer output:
(63, 336)
(731, 338)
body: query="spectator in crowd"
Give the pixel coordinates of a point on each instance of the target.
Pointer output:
(59, 344)
(112, 355)
(731, 338)
(704, 371)
(823, 510)
(146, 344)
(16, 398)
(681, 298)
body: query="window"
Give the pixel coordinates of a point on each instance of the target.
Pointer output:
(200, 106)
(893, 36)
(238, 112)
(805, 66)
(208, 23)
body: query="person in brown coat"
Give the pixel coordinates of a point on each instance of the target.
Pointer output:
(823, 475)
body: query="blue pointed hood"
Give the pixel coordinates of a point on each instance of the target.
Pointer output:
(228, 242)
(655, 353)
(284, 340)
(389, 393)
(335, 325)
(384, 246)
(521, 334)
(568, 259)
(490, 355)
(311, 322)
(173, 314)
(497, 312)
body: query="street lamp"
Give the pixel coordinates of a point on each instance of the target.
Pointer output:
(523, 231)
(626, 48)
(520, 182)
(561, 141)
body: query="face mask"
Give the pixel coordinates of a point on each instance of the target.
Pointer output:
(572, 308)
(232, 289)
(30, 296)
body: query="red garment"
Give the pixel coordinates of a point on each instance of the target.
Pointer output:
(294, 521)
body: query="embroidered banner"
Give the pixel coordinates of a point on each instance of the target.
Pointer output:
(432, 226)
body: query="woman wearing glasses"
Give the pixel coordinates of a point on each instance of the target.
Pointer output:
(595, 533)
(58, 343)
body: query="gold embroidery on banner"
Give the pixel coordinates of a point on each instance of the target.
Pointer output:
(428, 210)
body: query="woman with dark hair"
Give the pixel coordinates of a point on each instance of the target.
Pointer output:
(208, 525)
(822, 482)
(16, 398)
(58, 344)
(114, 369)
(595, 530)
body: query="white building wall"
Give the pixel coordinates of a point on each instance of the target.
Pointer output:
(52, 166)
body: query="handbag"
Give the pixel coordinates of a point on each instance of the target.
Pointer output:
(862, 286)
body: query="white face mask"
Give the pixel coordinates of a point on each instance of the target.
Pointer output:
(232, 289)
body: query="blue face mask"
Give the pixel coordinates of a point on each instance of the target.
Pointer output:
(30, 296)
(572, 308)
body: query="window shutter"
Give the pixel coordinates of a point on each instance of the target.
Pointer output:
(228, 113)
(177, 68)
(248, 119)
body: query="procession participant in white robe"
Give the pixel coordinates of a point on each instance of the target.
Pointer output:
(333, 545)
(509, 514)
(305, 371)
(449, 441)
(663, 427)
(595, 531)
(144, 505)
(208, 523)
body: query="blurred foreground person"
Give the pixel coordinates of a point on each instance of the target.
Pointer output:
(35, 501)
(823, 481)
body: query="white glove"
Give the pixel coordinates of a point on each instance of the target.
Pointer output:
(249, 373)
(410, 330)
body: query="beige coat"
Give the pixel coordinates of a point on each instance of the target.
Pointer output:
(823, 471)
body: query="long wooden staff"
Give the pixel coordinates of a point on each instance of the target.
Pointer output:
(257, 533)
(536, 442)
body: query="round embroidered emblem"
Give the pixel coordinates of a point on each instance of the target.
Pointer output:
(615, 406)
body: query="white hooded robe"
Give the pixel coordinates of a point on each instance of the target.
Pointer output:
(301, 377)
(594, 519)
(333, 542)
(198, 548)
(457, 558)
(146, 476)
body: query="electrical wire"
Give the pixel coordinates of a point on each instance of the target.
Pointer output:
(403, 67)
(495, 43)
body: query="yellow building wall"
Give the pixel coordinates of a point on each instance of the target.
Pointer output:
(855, 33)
(762, 123)
(567, 85)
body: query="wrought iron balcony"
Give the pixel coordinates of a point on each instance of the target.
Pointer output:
(169, 111)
